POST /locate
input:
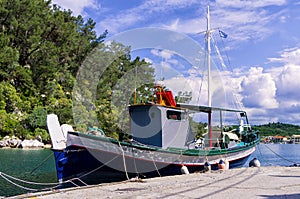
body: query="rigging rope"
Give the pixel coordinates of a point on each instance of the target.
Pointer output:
(202, 76)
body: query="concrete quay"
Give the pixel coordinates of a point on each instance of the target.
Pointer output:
(263, 182)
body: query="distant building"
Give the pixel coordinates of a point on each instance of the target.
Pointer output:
(278, 138)
(295, 139)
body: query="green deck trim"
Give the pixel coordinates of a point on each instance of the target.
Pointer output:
(172, 150)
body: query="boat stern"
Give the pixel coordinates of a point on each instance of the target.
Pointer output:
(58, 140)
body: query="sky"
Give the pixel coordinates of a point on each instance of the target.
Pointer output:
(261, 51)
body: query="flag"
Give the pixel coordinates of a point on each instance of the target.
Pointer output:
(222, 34)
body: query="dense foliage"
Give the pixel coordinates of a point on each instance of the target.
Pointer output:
(278, 128)
(42, 49)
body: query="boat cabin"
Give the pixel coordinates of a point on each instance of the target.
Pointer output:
(160, 126)
(163, 123)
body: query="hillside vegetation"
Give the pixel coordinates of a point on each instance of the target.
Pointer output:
(278, 128)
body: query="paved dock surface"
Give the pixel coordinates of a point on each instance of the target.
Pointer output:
(263, 182)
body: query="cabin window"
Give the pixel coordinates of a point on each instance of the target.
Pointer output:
(175, 115)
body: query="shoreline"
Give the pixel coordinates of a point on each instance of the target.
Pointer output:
(46, 146)
(246, 182)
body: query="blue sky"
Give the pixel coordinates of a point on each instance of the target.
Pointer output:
(262, 50)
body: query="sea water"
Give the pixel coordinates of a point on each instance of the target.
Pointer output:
(34, 165)
(276, 154)
(39, 165)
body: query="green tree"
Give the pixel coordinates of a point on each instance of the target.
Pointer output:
(42, 48)
(199, 128)
(105, 87)
(44, 69)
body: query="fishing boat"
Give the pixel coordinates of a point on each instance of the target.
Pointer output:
(162, 142)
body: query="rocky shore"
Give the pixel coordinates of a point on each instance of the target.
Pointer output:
(14, 142)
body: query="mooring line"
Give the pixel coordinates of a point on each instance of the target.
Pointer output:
(28, 182)
(124, 161)
(51, 154)
(281, 156)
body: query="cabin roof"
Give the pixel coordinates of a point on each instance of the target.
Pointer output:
(207, 109)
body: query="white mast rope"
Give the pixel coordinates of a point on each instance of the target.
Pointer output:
(237, 100)
(218, 52)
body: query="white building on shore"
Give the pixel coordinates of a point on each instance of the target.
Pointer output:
(295, 139)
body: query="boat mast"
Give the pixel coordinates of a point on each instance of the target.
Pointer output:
(208, 35)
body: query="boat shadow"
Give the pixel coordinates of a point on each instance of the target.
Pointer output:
(289, 196)
(285, 176)
(216, 191)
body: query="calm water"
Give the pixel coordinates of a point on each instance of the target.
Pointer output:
(26, 164)
(277, 154)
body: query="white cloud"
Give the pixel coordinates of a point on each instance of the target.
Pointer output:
(242, 20)
(259, 89)
(249, 4)
(77, 6)
(272, 95)
(190, 84)
(287, 78)
(120, 20)
(190, 26)
(164, 54)
(148, 60)
(127, 19)
(289, 82)
(288, 56)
